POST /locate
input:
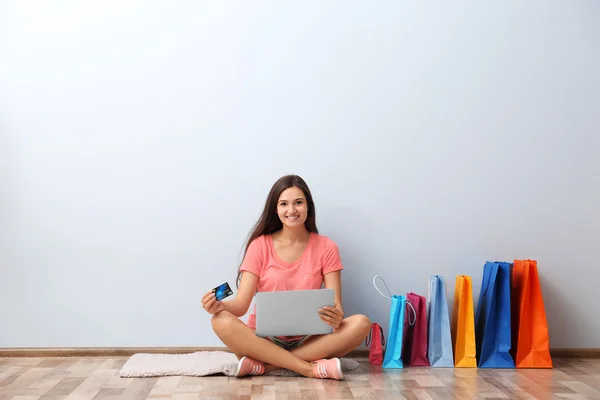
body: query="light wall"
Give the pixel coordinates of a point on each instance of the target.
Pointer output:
(138, 141)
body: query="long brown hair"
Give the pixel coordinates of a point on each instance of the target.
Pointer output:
(269, 221)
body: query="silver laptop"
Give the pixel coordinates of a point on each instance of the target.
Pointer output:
(292, 312)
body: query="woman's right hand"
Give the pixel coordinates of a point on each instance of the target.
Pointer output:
(210, 303)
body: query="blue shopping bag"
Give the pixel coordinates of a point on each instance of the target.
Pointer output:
(492, 318)
(439, 338)
(393, 349)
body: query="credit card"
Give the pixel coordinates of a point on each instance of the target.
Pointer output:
(222, 291)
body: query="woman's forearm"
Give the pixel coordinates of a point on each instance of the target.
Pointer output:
(235, 307)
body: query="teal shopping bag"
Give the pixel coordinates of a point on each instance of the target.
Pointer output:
(393, 350)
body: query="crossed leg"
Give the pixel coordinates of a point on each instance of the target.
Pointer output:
(242, 341)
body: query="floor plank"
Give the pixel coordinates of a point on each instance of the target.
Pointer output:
(97, 378)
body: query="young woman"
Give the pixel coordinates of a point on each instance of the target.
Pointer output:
(286, 252)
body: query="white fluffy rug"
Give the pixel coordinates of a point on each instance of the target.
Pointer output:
(201, 363)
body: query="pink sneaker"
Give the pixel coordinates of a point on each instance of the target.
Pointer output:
(331, 368)
(249, 366)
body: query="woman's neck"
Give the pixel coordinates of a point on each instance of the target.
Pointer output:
(293, 235)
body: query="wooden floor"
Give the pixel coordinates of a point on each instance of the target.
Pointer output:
(98, 378)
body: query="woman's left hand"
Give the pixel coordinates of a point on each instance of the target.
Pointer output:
(332, 316)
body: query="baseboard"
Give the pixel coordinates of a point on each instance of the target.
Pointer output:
(575, 353)
(98, 351)
(129, 351)
(119, 351)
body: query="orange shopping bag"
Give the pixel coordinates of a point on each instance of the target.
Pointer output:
(530, 338)
(463, 324)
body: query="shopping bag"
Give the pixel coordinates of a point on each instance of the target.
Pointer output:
(376, 342)
(530, 340)
(393, 350)
(414, 352)
(463, 324)
(492, 318)
(439, 351)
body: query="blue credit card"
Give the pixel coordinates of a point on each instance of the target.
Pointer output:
(222, 291)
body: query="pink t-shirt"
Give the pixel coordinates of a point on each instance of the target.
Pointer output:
(321, 256)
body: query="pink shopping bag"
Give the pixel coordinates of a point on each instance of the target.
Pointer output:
(376, 342)
(415, 344)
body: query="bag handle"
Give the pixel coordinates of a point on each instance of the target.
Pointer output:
(430, 288)
(414, 313)
(368, 339)
(384, 284)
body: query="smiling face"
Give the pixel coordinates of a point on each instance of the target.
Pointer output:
(292, 207)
